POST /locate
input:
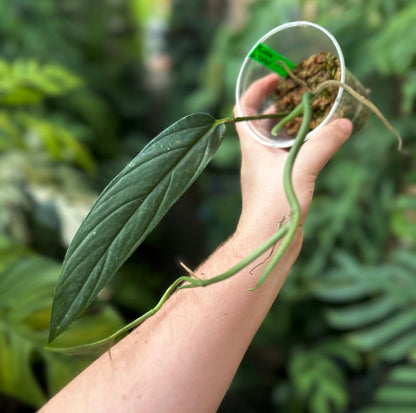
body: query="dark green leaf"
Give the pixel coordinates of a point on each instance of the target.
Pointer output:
(393, 394)
(404, 374)
(318, 379)
(129, 208)
(341, 289)
(363, 313)
(400, 347)
(381, 333)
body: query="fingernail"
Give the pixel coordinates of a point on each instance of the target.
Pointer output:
(345, 125)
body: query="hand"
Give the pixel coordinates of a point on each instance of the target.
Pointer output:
(264, 199)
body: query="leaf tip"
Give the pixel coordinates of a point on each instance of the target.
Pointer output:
(53, 333)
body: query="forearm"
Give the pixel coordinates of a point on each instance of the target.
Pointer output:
(184, 358)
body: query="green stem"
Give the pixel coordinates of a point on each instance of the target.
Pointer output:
(288, 186)
(198, 282)
(253, 117)
(287, 231)
(127, 327)
(292, 115)
(176, 285)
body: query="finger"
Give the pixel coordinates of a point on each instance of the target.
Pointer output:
(255, 95)
(320, 148)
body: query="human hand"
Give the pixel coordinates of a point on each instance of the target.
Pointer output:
(264, 199)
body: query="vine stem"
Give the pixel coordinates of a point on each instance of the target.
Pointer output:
(253, 117)
(191, 282)
(288, 187)
(348, 89)
(286, 231)
(126, 328)
(292, 115)
(365, 102)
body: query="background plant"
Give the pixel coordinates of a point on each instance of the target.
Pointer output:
(361, 222)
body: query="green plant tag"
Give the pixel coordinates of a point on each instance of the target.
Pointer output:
(269, 58)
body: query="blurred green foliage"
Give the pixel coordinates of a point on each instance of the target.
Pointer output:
(27, 282)
(24, 86)
(76, 106)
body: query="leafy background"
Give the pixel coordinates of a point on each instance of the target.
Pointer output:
(84, 85)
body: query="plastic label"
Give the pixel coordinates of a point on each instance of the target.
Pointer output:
(268, 57)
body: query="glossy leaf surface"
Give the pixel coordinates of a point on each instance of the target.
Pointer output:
(129, 208)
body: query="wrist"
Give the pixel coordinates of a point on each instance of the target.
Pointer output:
(251, 234)
(259, 225)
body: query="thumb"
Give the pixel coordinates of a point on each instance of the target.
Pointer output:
(320, 148)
